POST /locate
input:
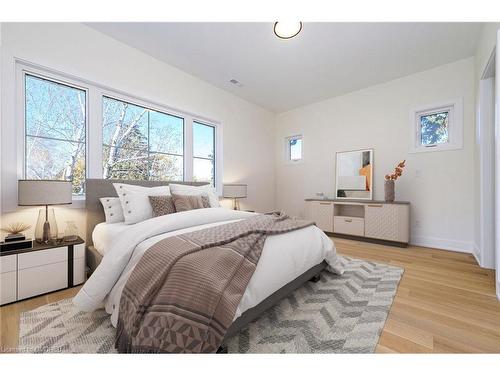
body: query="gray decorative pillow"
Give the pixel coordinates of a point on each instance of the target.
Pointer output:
(190, 202)
(162, 205)
(205, 199)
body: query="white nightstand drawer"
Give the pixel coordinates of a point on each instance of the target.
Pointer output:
(78, 271)
(354, 226)
(7, 287)
(79, 251)
(8, 263)
(43, 279)
(42, 257)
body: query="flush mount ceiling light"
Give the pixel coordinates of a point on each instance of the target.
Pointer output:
(287, 30)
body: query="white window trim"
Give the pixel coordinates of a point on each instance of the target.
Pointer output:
(288, 160)
(93, 152)
(455, 126)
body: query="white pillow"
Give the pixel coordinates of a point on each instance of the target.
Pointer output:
(112, 209)
(135, 202)
(197, 190)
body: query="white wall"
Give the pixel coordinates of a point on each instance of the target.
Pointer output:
(83, 52)
(439, 185)
(485, 46)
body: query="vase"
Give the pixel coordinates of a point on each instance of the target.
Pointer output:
(71, 232)
(389, 190)
(46, 226)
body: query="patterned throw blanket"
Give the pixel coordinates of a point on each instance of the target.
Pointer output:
(183, 294)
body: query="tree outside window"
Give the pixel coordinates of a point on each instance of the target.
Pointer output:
(55, 127)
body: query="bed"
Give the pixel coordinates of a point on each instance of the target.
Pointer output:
(287, 261)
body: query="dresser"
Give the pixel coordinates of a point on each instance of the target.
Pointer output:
(374, 221)
(41, 269)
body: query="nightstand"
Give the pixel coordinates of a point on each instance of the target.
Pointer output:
(27, 273)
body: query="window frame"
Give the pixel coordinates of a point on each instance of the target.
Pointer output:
(200, 122)
(94, 94)
(58, 80)
(155, 109)
(288, 152)
(454, 107)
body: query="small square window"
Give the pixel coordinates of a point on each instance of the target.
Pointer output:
(294, 148)
(437, 128)
(434, 128)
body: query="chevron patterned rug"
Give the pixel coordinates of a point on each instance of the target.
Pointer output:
(338, 314)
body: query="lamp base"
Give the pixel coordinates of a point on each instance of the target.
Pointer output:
(46, 233)
(46, 226)
(236, 204)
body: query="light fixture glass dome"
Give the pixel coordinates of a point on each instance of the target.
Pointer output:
(287, 30)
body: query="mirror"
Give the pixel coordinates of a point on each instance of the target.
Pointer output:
(354, 174)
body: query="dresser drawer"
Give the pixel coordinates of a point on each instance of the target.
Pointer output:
(322, 214)
(8, 263)
(8, 289)
(388, 222)
(42, 257)
(349, 225)
(42, 279)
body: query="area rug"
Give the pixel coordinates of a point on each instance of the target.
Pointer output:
(338, 314)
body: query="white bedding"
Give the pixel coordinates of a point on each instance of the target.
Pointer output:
(104, 234)
(284, 256)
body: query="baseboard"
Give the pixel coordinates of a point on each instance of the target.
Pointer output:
(443, 244)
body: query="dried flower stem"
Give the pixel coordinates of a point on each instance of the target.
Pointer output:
(398, 171)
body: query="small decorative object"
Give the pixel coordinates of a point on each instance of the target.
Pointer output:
(389, 181)
(321, 195)
(15, 230)
(235, 191)
(44, 193)
(71, 232)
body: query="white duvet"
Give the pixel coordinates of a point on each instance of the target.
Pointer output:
(284, 257)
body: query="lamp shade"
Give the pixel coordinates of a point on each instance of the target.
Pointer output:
(43, 192)
(234, 191)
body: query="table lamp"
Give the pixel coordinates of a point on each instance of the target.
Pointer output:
(235, 191)
(44, 193)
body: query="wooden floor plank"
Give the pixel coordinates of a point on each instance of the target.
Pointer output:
(445, 302)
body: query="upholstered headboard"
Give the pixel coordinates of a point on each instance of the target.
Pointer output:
(98, 188)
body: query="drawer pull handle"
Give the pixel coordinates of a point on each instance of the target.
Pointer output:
(348, 220)
(375, 205)
(325, 204)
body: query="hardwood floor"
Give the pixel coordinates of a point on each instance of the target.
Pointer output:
(445, 302)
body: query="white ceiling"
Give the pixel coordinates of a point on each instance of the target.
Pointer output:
(324, 60)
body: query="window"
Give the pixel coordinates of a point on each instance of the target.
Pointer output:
(436, 128)
(140, 143)
(55, 130)
(294, 148)
(203, 153)
(74, 129)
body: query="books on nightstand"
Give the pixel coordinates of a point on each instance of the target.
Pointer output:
(10, 245)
